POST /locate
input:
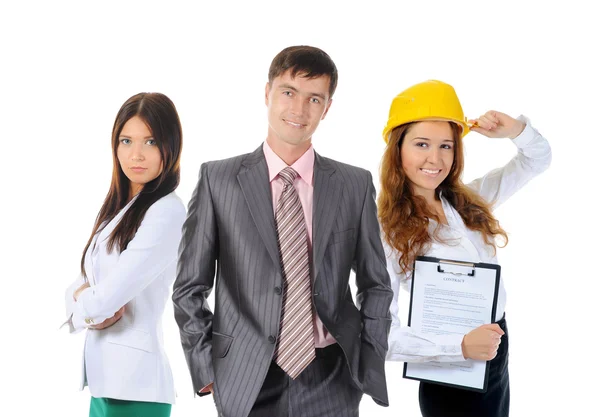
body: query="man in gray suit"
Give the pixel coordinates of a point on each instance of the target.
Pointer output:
(283, 227)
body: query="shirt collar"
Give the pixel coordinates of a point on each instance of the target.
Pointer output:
(304, 166)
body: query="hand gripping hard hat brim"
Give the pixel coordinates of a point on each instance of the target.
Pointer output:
(429, 100)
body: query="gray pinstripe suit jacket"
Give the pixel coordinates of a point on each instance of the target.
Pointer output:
(230, 230)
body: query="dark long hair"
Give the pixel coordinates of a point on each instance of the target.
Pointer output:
(160, 115)
(404, 216)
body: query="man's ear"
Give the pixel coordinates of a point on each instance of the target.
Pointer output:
(327, 108)
(267, 90)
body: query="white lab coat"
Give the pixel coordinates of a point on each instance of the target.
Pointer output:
(127, 360)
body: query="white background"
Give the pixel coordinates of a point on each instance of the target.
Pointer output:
(66, 68)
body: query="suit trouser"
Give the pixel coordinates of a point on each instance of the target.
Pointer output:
(441, 401)
(323, 389)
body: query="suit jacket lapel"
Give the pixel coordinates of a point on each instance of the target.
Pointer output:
(107, 230)
(327, 194)
(254, 181)
(100, 240)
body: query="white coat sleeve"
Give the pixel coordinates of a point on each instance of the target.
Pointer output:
(533, 157)
(406, 344)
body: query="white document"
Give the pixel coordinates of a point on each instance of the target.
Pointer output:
(451, 297)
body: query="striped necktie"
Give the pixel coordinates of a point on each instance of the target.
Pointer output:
(295, 348)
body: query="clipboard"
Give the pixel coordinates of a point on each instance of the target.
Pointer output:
(463, 272)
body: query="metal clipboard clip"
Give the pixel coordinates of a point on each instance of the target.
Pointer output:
(464, 264)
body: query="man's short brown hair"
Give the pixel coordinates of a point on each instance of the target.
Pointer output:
(306, 61)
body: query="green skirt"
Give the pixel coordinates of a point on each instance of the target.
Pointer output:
(108, 407)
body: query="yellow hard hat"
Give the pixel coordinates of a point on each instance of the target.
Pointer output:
(429, 100)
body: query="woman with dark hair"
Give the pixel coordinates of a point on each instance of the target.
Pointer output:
(425, 209)
(129, 263)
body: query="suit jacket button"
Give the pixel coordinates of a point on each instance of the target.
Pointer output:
(277, 290)
(271, 339)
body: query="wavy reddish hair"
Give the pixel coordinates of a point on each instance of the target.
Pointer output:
(404, 216)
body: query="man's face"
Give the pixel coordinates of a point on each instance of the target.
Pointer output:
(296, 106)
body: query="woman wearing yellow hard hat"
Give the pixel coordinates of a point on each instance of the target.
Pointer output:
(426, 210)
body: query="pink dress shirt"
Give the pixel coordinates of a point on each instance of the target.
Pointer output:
(304, 186)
